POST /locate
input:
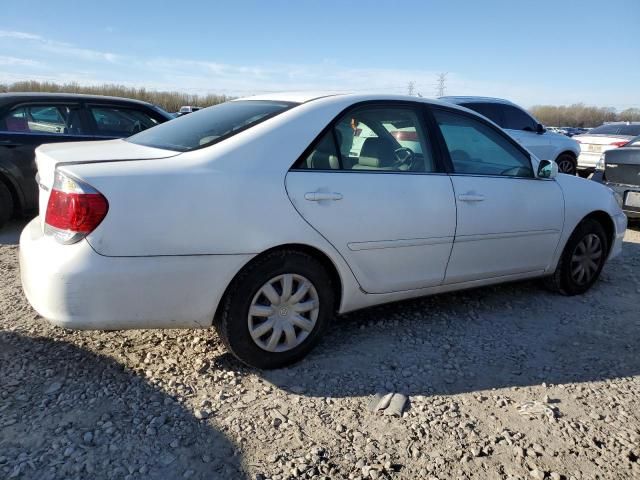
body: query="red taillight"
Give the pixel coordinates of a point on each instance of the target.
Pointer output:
(74, 209)
(620, 143)
(76, 212)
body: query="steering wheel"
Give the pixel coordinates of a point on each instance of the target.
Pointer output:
(137, 127)
(404, 155)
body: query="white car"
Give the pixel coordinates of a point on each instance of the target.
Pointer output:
(254, 216)
(600, 139)
(531, 134)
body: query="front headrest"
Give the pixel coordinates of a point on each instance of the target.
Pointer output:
(377, 152)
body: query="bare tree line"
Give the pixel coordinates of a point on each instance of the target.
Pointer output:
(576, 115)
(169, 101)
(581, 115)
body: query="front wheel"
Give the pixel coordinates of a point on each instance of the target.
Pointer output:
(567, 164)
(276, 310)
(582, 259)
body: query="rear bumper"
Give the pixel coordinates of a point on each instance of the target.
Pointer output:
(74, 287)
(588, 160)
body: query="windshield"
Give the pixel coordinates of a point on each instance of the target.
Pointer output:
(209, 125)
(616, 129)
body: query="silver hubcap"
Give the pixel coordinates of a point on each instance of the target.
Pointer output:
(283, 313)
(565, 166)
(586, 259)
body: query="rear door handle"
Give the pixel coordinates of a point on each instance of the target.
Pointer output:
(471, 197)
(319, 196)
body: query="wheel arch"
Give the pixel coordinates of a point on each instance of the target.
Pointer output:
(322, 257)
(13, 190)
(571, 153)
(604, 219)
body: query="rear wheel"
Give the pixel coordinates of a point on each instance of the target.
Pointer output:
(6, 204)
(566, 164)
(276, 310)
(582, 259)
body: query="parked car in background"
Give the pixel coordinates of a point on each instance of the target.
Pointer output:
(28, 120)
(619, 169)
(601, 139)
(571, 131)
(187, 109)
(258, 216)
(525, 129)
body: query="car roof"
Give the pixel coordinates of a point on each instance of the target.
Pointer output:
(43, 96)
(346, 97)
(467, 99)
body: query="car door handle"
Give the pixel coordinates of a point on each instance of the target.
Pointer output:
(319, 196)
(470, 197)
(8, 143)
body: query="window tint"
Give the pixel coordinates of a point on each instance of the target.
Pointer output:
(616, 129)
(373, 138)
(209, 125)
(120, 121)
(490, 110)
(516, 119)
(44, 119)
(478, 149)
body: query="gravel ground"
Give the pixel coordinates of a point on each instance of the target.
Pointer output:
(170, 404)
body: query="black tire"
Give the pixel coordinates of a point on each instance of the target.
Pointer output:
(563, 279)
(6, 204)
(232, 319)
(567, 163)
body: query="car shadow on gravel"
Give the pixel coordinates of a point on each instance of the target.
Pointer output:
(66, 412)
(504, 336)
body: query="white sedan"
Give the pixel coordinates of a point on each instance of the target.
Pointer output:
(266, 216)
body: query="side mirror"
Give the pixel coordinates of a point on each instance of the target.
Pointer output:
(540, 129)
(547, 169)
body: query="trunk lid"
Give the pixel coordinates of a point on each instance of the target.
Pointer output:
(623, 166)
(49, 156)
(599, 143)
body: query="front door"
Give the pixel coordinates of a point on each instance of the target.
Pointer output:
(508, 221)
(384, 205)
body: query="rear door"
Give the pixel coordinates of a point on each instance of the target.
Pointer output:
(24, 127)
(508, 221)
(120, 121)
(386, 206)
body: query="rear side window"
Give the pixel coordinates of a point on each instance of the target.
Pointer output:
(44, 119)
(373, 138)
(516, 119)
(119, 121)
(490, 110)
(209, 125)
(478, 149)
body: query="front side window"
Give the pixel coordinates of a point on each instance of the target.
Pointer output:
(43, 119)
(516, 119)
(373, 138)
(120, 121)
(209, 125)
(476, 148)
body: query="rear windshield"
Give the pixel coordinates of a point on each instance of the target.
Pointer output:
(616, 129)
(209, 125)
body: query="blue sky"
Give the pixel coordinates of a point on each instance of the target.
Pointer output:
(541, 51)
